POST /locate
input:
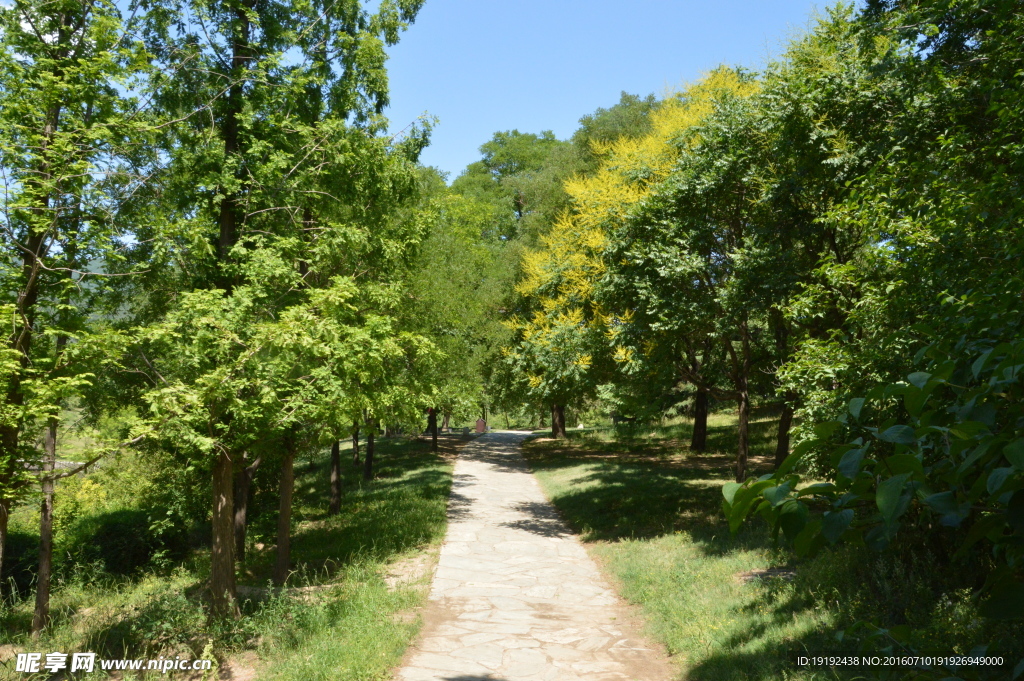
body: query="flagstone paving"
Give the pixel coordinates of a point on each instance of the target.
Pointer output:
(515, 596)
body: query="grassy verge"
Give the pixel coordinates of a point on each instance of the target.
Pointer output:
(735, 607)
(651, 513)
(342, 616)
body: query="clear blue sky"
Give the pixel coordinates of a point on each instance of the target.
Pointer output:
(481, 65)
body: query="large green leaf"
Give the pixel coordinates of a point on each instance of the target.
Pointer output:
(890, 499)
(793, 519)
(849, 464)
(1014, 453)
(901, 435)
(729, 490)
(778, 494)
(903, 463)
(834, 523)
(997, 479)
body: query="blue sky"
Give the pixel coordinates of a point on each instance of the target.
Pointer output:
(481, 65)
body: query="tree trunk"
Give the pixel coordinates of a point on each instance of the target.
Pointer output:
(558, 420)
(228, 218)
(785, 421)
(223, 597)
(744, 436)
(444, 421)
(5, 516)
(432, 426)
(355, 444)
(335, 507)
(20, 341)
(42, 613)
(284, 515)
(540, 426)
(699, 441)
(371, 427)
(743, 399)
(243, 485)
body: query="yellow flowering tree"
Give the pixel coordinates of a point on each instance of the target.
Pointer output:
(565, 345)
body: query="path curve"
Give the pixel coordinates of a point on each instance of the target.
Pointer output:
(515, 596)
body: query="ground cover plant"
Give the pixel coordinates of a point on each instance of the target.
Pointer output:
(740, 606)
(336, 617)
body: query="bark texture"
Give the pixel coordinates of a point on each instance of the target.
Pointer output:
(558, 420)
(335, 505)
(5, 517)
(284, 515)
(371, 428)
(785, 422)
(41, 616)
(744, 435)
(223, 598)
(699, 441)
(355, 444)
(243, 487)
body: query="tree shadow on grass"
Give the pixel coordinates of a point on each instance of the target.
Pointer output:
(402, 508)
(649, 488)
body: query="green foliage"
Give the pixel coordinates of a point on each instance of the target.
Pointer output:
(951, 458)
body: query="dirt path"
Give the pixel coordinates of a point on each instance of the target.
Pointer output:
(515, 596)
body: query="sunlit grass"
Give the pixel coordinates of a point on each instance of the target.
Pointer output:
(650, 512)
(338, 618)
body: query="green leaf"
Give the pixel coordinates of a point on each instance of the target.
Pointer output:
(997, 479)
(793, 519)
(902, 435)
(1014, 453)
(826, 429)
(890, 499)
(947, 506)
(778, 494)
(729, 491)
(809, 539)
(965, 430)
(903, 463)
(975, 454)
(834, 523)
(795, 456)
(856, 404)
(817, 488)
(979, 363)
(942, 502)
(919, 378)
(914, 400)
(849, 465)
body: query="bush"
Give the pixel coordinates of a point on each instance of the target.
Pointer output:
(21, 554)
(123, 541)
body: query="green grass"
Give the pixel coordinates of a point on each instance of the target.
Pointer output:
(339, 619)
(650, 511)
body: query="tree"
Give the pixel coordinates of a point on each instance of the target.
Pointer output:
(563, 347)
(253, 187)
(66, 147)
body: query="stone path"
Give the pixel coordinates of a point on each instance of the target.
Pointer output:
(515, 596)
